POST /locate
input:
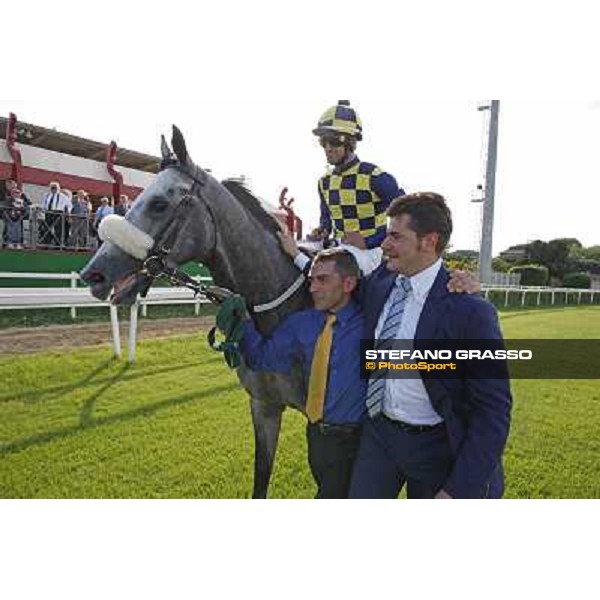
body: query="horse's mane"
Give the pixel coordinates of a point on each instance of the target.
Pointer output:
(251, 204)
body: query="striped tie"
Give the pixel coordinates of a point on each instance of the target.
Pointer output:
(319, 370)
(389, 331)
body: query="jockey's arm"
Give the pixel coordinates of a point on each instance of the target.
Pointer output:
(354, 238)
(387, 189)
(325, 221)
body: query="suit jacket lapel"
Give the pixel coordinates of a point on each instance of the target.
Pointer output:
(433, 309)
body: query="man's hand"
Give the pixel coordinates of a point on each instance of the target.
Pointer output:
(353, 238)
(288, 243)
(463, 282)
(442, 495)
(317, 235)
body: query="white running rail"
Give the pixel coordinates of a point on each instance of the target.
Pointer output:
(566, 296)
(20, 298)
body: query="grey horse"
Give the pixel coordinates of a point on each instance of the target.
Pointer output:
(223, 226)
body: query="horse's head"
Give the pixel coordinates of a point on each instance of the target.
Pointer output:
(160, 222)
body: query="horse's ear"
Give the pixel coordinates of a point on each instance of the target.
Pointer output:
(164, 148)
(179, 147)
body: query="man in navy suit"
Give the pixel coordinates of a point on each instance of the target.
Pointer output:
(443, 438)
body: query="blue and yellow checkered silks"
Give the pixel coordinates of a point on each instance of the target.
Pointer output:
(353, 204)
(341, 119)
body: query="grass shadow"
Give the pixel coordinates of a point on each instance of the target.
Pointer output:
(41, 394)
(56, 390)
(142, 411)
(85, 416)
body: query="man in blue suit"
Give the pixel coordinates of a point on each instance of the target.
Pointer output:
(443, 438)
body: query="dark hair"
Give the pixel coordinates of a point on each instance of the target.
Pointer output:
(428, 213)
(345, 263)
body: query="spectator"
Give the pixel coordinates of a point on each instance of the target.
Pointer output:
(87, 202)
(15, 213)
(122, 206)
(9, 185)
(67, 219)
(103, 210)
(4, 205)
(90, 223)
(79, 219)
(54, 203)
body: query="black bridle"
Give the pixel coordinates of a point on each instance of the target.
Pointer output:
(156, 267)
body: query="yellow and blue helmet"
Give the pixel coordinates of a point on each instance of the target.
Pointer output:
(340, 119)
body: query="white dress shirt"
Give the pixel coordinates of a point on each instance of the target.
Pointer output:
(407, 399)
(60, 204)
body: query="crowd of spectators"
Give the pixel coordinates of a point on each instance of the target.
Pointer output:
(61, 220)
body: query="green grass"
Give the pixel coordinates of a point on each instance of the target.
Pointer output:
(176, 424)
(554, 443)
(569, 322)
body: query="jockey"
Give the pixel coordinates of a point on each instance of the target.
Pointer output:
(354, 194)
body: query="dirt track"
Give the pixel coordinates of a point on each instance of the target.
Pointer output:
(35, 339)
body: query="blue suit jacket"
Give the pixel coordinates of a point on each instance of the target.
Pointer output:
(476, 412)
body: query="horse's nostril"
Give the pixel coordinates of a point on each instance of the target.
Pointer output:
(95, 277)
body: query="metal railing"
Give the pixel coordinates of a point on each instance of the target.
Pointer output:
(57, 230)
(502, 279)
(539, 296)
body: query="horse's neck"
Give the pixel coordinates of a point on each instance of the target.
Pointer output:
(249, 261)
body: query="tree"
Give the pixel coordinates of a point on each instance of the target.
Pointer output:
(555, 255)
(578, 280)
(569, 242)
(537, 252)
(586, 265)
(499, 265)
(559, 256)
(592, 253)
(558, 261)
(531, 274)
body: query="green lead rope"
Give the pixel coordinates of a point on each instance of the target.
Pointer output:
(227, 333)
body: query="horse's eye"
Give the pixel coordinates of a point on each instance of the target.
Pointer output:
(159, 206)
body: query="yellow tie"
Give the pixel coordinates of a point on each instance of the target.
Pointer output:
(318, 372)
